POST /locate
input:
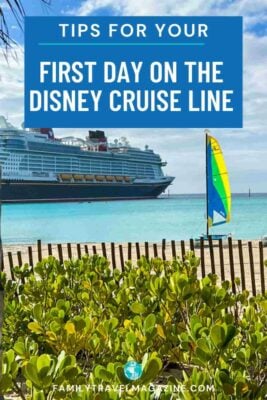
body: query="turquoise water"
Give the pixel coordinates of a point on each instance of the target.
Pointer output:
(176, 217)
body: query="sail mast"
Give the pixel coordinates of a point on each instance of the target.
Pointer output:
(207, 190)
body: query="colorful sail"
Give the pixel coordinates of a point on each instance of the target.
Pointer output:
(218, 186)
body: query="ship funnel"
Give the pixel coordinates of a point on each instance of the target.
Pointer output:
(45, 131)
(97, 138)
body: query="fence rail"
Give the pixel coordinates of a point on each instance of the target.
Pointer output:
(229, 259)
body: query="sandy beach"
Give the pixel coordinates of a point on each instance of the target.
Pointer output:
(121, 253)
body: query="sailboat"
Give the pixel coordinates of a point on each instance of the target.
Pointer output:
(218, 191)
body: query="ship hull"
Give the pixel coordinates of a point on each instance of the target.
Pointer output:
(39, 191)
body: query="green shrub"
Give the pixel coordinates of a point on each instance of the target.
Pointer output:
(79, 323)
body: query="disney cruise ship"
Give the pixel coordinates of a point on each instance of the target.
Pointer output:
(37, 167)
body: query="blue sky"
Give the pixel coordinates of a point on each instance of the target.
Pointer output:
(245, 149)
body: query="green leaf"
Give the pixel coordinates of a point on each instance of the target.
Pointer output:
(137, 308)
(120, 374)
(9, 357)
(187, 292)
(203, 351)
(220, 294)
(19, 348)
(55, 327)
(206, 294)
(79, 323)
(152, 370)
(160, 331)
(64, 361)
(70, 372)
(43, 365)
(6, 383)
(202, 355)
(150, 323)
(224, 376)
(241, 356)
(104, 375)
(35, 327)
(217, 335)
(85, 296)
(230, 334)
(130, 337)
(70, 328)
(196, 329)
(30, 373)
(228, 388)
(38, 395)
(263, 305)
(38, 312)
(114, 322)
(241, 388)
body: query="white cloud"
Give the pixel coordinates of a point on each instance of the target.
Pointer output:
(12, 86)
(253, 10)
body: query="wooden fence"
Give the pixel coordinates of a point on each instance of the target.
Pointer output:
(229, 259)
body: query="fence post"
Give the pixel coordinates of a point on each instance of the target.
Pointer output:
(164, 249)
(94, 250)
(69, 251)
(50, 252)
(113, 255)
(155, 249)
(192, 247)
(11, 265)
(129, 251)
(147, 250)
(121, 257)
(30, 256)
(241, 261)
(232, 266)
(262, 268)
(173, 249)
(79, 252)
(221, 260)
(252, 271)
(86, 249)
(202, 257)
(60, 254)
(183, 249)
(20, 263)
(212, 262)
(39, 250)
(137, 246)
(104, 251)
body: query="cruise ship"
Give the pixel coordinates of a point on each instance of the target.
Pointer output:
(37, 167)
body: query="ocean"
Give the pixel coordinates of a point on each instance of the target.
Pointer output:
(176, 217)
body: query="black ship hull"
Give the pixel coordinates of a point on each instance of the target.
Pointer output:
(40, 191)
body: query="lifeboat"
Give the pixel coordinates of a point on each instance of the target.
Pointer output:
(89, 177)
(127, 179)
(78, 177)
(100, 178)
(109, 178)
(119, 178)
(65, 177)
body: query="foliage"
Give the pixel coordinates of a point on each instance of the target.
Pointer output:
(17, 9)
(80, 322)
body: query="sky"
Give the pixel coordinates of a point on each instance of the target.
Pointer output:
(245, 149)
